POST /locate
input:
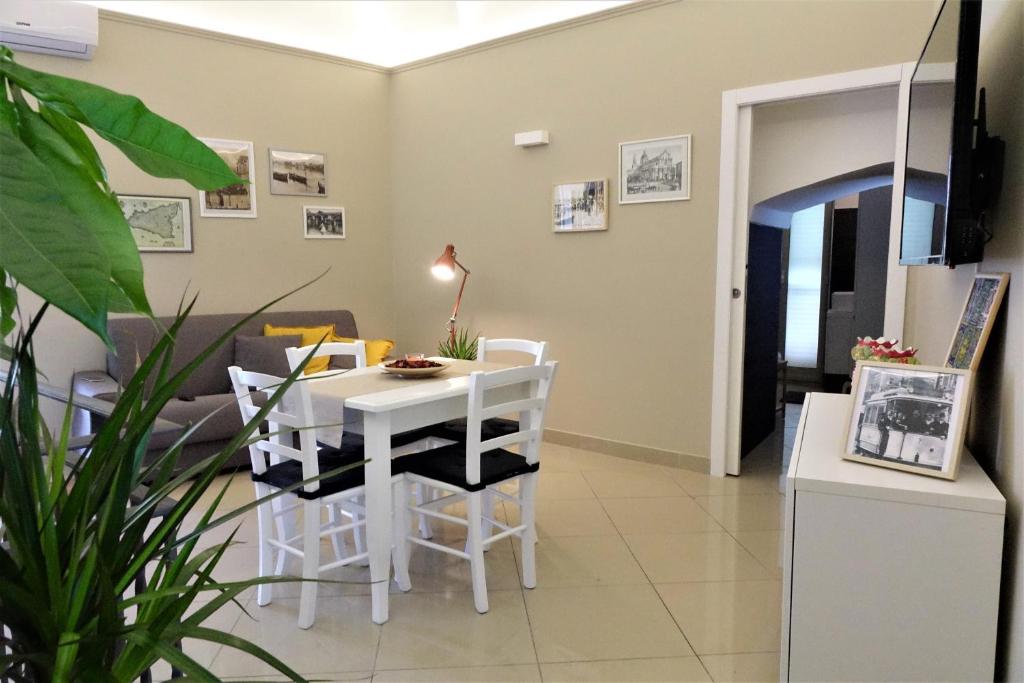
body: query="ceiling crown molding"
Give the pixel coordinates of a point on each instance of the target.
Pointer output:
(159, 25)
(603, 15)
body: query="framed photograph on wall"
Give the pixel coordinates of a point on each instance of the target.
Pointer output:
(976, 320)
(298, 173)
(909, 417)
(159, 223)
(580, 206)
(655, 170)
(323, 222)
(233, 201)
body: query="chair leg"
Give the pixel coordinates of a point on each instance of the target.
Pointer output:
(357, 535)
(425, 530)
(488, 506)
(474, 504)
(337, 541)
(527, 498)
(400, 525)
(285, 523)
(265, 518)
(486, 528)
(310, 562)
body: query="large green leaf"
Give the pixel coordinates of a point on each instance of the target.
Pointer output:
(8, 302)
(43, 245)
(74, 134)
(156, 145)
(98, 210)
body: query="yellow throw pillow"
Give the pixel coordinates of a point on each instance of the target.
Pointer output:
(310, 335)
(376, 349)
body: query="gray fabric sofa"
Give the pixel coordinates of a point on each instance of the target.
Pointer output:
(209, 387)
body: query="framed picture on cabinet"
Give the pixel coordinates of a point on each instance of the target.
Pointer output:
(909, 417)
(976, 320)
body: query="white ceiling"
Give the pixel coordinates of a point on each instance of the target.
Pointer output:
(382, 32)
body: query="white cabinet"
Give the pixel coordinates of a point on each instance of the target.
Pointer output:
(887, 575)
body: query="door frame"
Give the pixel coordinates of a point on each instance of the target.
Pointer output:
(733, 216)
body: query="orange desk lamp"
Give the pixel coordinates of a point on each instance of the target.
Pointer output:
(444, 269)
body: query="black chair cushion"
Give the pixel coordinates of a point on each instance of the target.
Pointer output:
(355, 440)
(289, 472)
(448, 464)
(455, 430)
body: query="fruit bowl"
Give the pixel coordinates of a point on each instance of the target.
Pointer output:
(413, 368)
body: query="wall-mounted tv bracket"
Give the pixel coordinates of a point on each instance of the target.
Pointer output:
(986, 167)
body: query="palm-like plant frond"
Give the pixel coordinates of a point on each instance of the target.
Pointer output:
(77, 531)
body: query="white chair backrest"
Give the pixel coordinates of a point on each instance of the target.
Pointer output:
(539, 350)
(292, 414)
(356, 348)
(536, 380)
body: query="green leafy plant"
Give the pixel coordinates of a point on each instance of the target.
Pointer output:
(62, 233)
(75, 538)
(461, 346)
(75, 531)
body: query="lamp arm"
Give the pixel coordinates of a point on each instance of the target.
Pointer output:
(458, 302)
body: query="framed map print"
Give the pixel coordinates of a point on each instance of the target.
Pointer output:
(159, 223)
(976, 320)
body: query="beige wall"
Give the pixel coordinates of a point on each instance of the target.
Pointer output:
(628, 312)
(935, 296)
(220, 89)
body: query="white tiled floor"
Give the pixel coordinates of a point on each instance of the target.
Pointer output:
(645, 573)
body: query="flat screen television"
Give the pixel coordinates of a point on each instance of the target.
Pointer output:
(948, 180)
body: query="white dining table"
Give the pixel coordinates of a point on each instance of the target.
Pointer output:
(378, 405)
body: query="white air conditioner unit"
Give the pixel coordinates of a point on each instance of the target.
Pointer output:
(67, 29)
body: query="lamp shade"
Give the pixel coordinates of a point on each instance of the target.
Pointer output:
(444, 266)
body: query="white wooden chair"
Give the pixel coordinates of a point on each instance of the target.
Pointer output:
(356, 349)
(455, 430)
(277, 464)
(539, 350)
(468, 469)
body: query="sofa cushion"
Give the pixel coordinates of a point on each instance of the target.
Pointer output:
(225, 419)
(310, 337)
(225, 423)
(134, 337)
(376, 351)
(265, 354)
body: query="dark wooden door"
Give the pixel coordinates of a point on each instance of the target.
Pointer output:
(761, 350)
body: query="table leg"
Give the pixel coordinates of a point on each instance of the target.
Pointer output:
(377, 435)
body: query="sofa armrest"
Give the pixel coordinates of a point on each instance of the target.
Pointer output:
(89, 383)
(93, 383)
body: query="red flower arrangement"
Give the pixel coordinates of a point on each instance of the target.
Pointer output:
(883, 350)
